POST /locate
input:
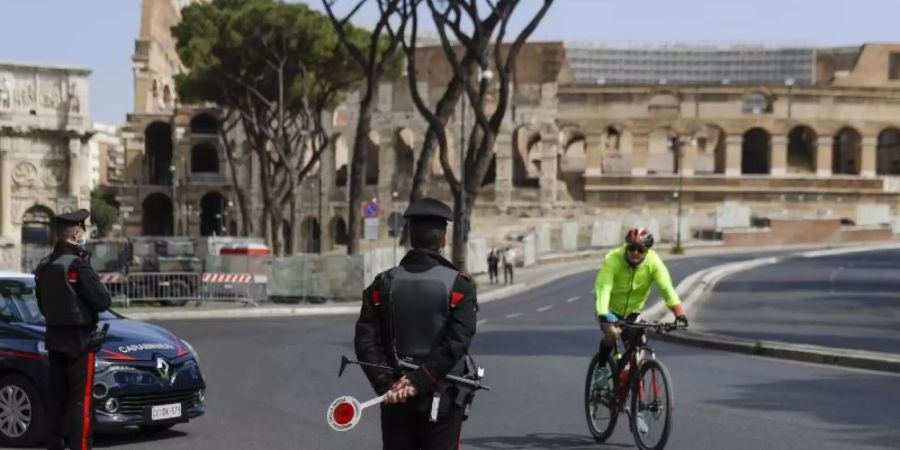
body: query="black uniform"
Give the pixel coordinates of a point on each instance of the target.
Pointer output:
(70, 296)
(424, 312)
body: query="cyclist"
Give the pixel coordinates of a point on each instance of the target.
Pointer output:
(623, 285)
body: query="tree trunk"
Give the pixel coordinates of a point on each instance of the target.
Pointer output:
(358, 166)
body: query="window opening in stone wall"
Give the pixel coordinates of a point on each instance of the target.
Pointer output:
(846, 152)
(801, 153)
(204, 158)
(158, 151)
(756, 152)
(157, 216)
(888, 157)
(212, 214)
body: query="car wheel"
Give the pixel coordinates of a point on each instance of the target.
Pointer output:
(153, 429)
(22, 415)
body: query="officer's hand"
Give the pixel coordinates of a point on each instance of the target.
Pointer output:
(681, 321)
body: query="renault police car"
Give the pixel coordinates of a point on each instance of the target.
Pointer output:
(145, 375)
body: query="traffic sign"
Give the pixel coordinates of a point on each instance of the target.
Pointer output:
(371, 210)
(371, 229)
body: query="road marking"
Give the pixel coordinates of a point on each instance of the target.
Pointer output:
(514, 315)
(573, 299)
(481, 322)
(834, 274)
(544, 308)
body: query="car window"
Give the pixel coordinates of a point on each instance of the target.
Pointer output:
(18, 302)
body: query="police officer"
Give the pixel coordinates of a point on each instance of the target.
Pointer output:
(70, 297)
(422, 312)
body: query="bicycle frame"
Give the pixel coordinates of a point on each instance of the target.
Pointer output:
(637, 349)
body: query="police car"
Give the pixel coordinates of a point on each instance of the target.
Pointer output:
(145, 376)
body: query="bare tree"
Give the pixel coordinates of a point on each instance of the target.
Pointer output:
(461, 21)
(377, 57)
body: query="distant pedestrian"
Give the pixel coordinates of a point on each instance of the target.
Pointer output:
(493, 261)
(509, 260)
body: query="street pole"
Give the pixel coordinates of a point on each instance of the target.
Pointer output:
(394, 223)
(679, 147)
(320, 207)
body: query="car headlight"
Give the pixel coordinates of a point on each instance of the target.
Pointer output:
(191, 349)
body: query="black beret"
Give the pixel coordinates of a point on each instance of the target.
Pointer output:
(73, 218)
(429, 207)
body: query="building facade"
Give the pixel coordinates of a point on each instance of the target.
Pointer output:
(44, 156)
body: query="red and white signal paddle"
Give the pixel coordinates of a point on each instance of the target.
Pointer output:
(345, 412)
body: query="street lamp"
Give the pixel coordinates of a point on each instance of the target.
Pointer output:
(789, 82)
(678, 146)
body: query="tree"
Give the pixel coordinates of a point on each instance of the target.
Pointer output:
(377, 57)
(104, 210)
(275, 69)
(483, 38)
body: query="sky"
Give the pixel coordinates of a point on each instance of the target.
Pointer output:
(100, 34)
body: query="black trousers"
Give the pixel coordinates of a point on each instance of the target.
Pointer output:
(71, 404)
(493, 273)
(405, 429)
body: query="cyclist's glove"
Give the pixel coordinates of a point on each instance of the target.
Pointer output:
(609, 317)
(681, 321)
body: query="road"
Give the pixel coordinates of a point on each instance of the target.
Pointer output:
(270, 381)
(848, 301)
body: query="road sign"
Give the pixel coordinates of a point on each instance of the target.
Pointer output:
(371, 229)
(371, 210)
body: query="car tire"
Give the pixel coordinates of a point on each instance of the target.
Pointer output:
(34, 431)
(154, 429)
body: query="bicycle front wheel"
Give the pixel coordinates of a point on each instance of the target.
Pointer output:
(652, 405)
(599, 399)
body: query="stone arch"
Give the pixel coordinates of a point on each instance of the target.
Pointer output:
(341, 161)
(757, 102)
(571, 162)
(36, 235)
(310, 235)
(756, 152)
(404, 161)
(888, 157)
(158, 148)
(168, 101)
(157, 215)
(204, 158)
(373, 165)
(662, 147)
(801, 151)
(212, 214)
(287, 236)
(526, 158)
(615, 145)
(338, 230)
(664, 102)
(204, 124)
(846, 152)
(711, 146)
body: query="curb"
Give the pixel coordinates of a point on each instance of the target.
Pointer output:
(699, 289)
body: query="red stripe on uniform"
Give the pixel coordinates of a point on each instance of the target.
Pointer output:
(86, 417)
(455, 298)
(73, 276)
(376, 298)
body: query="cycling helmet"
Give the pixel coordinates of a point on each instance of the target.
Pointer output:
(639, 236)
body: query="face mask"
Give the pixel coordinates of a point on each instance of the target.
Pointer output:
(82, 242)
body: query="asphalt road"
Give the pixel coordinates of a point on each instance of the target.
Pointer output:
(850, 301)
(270, 381)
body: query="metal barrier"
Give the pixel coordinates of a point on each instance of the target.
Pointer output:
(179, 288)
(170, 288)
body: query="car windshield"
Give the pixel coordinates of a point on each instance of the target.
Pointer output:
(19, 304)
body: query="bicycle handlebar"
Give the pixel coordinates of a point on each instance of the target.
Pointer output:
(658, 326)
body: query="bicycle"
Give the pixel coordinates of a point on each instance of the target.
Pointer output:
(651, 398)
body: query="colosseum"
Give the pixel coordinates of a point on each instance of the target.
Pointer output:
(593, 130)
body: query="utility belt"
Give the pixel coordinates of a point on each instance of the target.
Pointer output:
(449, 394)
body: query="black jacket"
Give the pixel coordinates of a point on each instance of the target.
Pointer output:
(372, 341)
(70, 318)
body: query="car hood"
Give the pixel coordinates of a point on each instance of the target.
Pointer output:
(130, 340)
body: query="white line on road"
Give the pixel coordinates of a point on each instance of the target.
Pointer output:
(481, 322)
(514, 315)
(544, 308)
(573, 299)
(834, 274)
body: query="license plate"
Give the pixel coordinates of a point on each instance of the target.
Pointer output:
(163, 412)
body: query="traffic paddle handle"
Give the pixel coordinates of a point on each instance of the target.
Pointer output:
(345, 412)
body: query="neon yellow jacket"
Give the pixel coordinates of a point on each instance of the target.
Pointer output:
(622, 290)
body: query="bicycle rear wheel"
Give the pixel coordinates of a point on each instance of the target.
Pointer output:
(599, 400)
(652, 405)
